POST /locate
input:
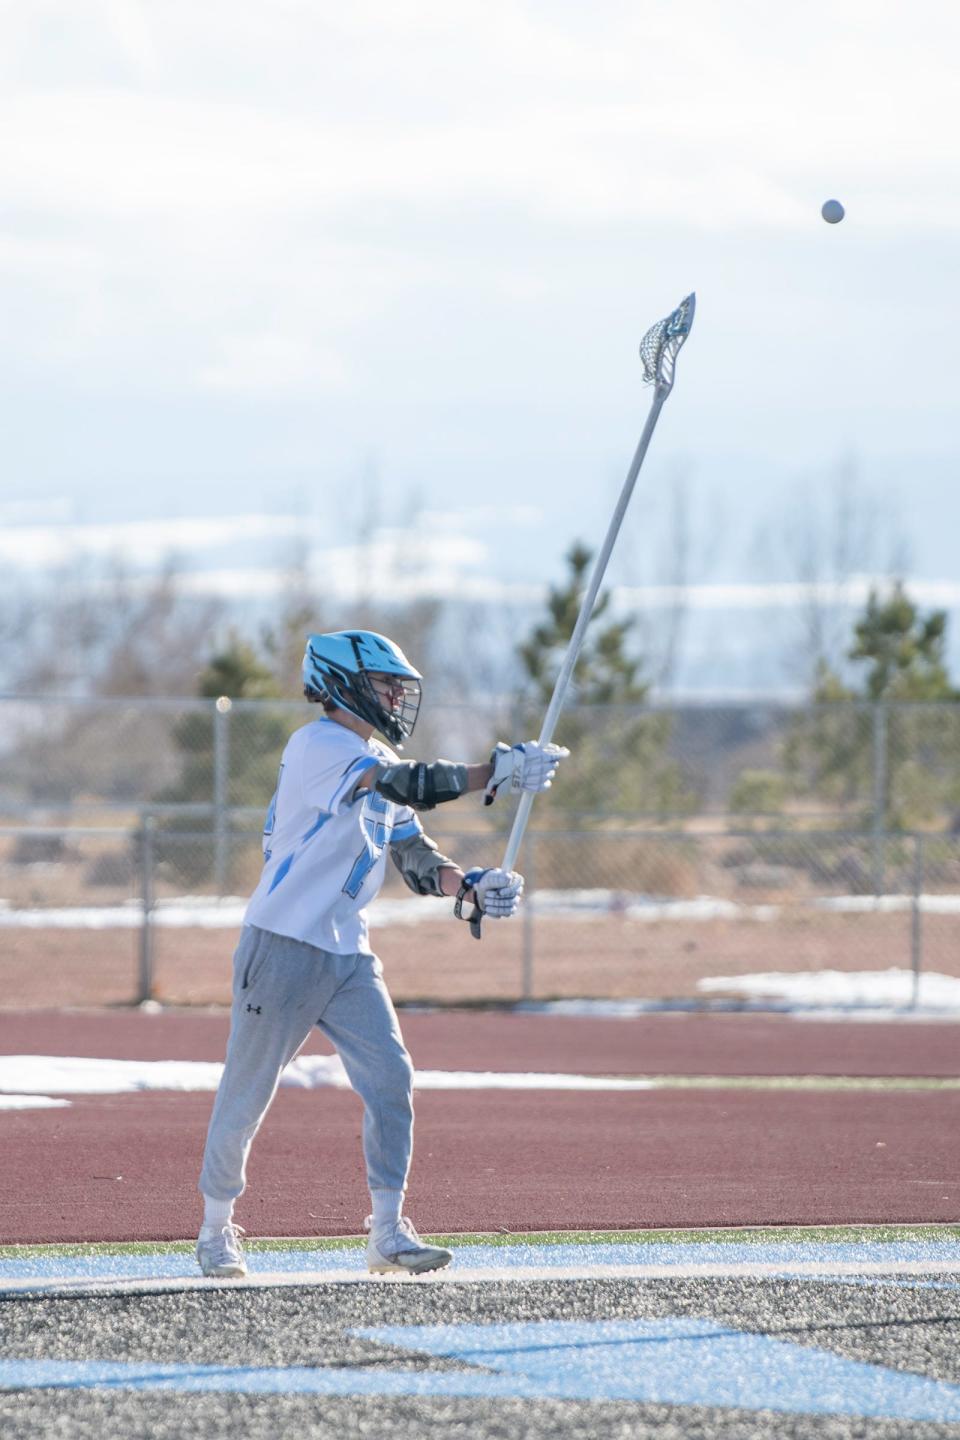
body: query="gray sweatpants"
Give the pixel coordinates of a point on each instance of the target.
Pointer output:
(281, 989)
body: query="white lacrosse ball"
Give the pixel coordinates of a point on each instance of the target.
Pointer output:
(832, 211)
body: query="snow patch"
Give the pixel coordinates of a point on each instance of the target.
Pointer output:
(889, 904)
(209, 912)
(869, 988)
(587, 904)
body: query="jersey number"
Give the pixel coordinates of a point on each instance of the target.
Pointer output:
(375, 835)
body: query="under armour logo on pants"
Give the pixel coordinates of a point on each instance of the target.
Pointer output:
(254, 1008)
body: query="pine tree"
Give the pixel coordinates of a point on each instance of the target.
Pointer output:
(255, 739)
(904, 650)
(604, 673)
(236, 672)
(902, 657)
(619, 761)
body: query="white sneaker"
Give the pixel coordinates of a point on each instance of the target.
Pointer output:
(221, 1254)
(401, 1251)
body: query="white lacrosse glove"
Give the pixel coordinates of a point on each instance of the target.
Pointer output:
(498, 893)
(529, 766)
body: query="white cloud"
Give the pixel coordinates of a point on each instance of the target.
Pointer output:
(439, 571)
(41, 547)
(274, 362)
(445, 556)
(469, 207)
(688, 114)
(122, 156)
(437, 582)
(852, 593)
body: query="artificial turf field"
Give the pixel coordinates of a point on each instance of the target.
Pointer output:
(791, 1331)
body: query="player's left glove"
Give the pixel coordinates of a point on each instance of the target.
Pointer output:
(497, 894)
(529, 766)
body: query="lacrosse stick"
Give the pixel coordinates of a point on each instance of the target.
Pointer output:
(658, 351)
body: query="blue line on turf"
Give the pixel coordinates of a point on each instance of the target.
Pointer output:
(681, 1361)
(674, 1361)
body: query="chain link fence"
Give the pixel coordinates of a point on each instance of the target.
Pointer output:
(752, 853)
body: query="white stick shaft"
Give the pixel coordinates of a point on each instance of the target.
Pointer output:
(583, 620)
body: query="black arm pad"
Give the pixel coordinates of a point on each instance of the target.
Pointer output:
(421, 786)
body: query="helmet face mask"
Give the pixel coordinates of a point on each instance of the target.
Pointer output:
(394, 701)
(368, 676)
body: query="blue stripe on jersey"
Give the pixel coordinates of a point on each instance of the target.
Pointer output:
(322, 819)
(282, 869)
(357, 768)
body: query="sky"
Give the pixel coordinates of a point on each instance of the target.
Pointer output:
(369, 280)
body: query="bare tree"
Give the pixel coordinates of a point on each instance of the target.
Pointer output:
(680, 552)
(300, 611)
(95, 630)
(837, 533)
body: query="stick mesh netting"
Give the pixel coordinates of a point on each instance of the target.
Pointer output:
(661, 344)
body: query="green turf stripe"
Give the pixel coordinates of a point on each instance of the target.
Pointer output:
(760, 1235)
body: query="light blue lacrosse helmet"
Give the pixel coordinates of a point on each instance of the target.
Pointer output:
(337, 667)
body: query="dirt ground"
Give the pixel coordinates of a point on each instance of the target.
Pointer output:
(605, 956)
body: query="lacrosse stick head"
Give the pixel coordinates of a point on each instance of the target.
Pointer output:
(660, 346)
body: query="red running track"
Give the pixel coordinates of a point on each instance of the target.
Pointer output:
(511, 1160)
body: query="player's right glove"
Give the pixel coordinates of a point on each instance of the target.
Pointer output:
(497, 893)
(529, 766)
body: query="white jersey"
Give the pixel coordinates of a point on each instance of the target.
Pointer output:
(324, 843)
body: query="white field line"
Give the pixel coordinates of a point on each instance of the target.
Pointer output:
(43, 1075)
(272, 1280)
(30, 1102)
(31, 1080)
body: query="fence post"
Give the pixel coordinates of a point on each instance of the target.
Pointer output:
(147, 857)
(879, 796)
(529, 873)
(221, 793)
(916, 920)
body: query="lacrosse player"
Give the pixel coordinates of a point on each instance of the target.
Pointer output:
(343, 800)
